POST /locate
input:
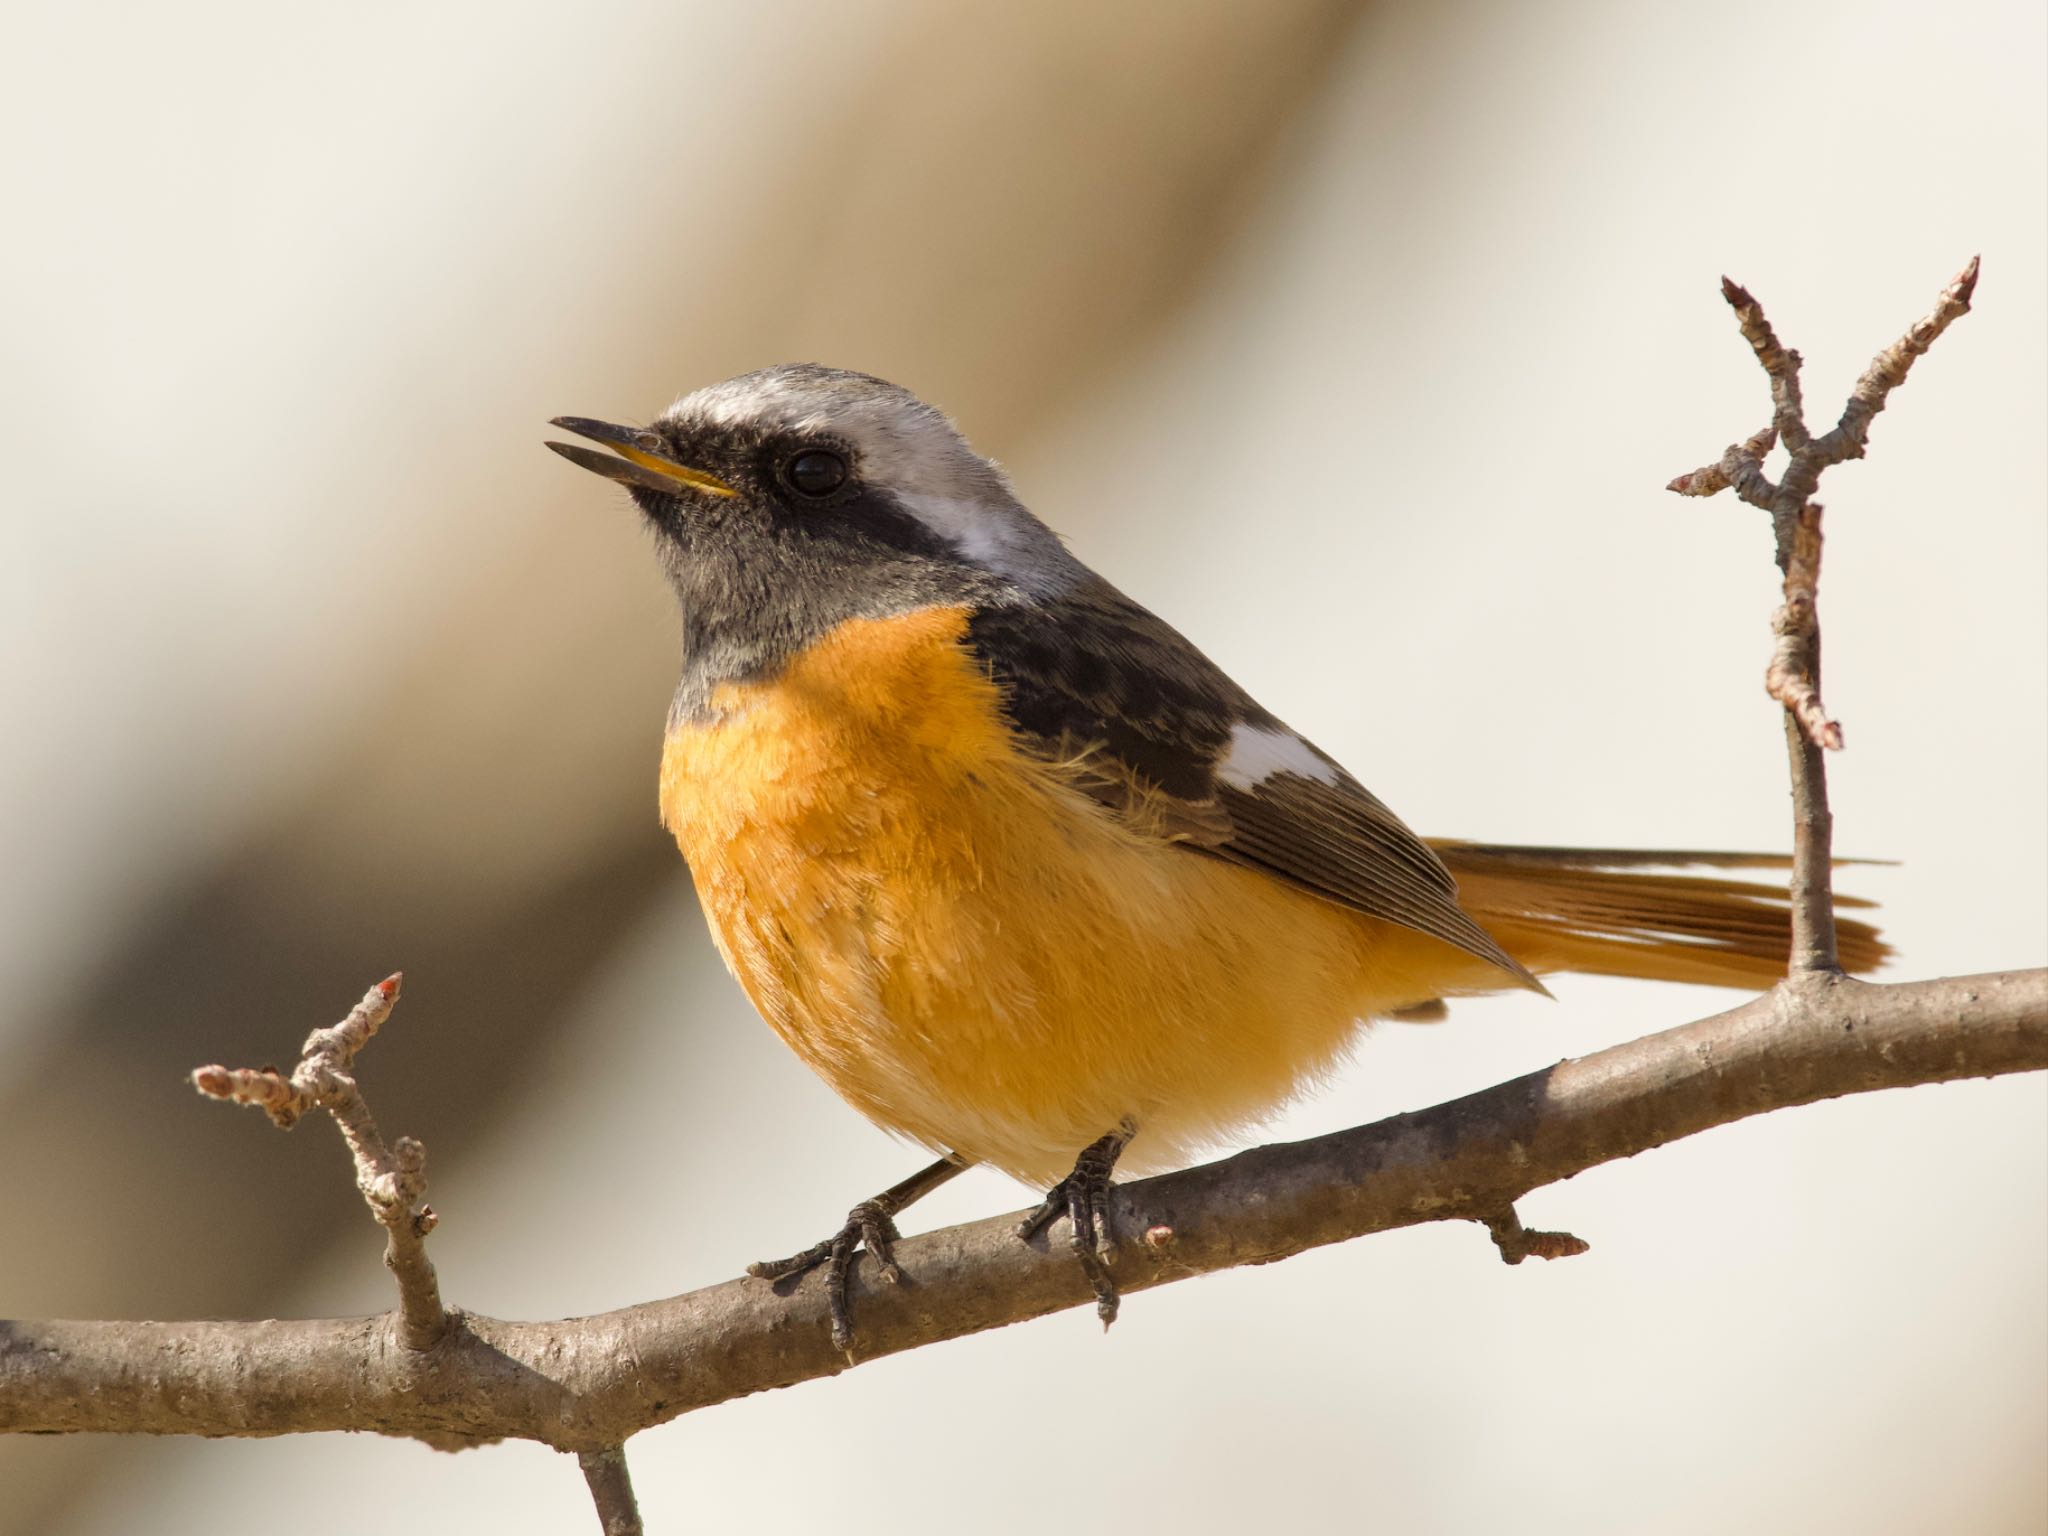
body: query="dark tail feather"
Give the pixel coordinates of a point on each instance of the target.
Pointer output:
(1600, 910)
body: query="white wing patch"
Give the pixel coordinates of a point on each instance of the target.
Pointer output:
(1257, 752)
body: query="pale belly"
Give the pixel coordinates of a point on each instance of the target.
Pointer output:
(974, 953)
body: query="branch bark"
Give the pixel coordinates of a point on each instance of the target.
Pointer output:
(586, 1384)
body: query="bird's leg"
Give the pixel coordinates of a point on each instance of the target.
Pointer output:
(870, 1225)
(1083, 1196)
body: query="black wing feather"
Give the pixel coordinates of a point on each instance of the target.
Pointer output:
(1091, 672)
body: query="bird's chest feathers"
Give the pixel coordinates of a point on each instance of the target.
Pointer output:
(959, 938)
(856, 751)
(859, 826)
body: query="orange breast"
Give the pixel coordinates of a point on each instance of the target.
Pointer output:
(973, 952)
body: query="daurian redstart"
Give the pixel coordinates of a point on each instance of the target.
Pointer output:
(1016, 868)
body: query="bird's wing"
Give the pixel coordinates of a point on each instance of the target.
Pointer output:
(1161, 735)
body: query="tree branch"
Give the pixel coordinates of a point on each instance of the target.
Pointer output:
(586, 1384)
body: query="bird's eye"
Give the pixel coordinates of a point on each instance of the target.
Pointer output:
(816, 472)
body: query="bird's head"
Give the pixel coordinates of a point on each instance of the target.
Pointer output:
(823, 477)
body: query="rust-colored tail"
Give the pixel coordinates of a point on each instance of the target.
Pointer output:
(1616, 912)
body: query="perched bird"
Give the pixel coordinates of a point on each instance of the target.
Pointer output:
(1011, 864)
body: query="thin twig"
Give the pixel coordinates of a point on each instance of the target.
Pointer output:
(588, 1383)
(1793, 679)
(611, 1490)
(1887, 371)
(1781, 363)
(1809, 455)
(1742, 466)
(393, 1178)
(1793, 674)
(1517, 1242)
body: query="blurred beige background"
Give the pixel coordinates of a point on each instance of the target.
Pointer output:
(1359, 339)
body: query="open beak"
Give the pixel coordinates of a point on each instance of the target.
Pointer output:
(640, 460)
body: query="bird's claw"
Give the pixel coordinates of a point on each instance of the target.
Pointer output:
(1083, 1197)
(868, 1225)
(871, 1225)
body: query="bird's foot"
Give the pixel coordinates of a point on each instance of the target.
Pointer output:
(1083, 1197)
(870, 1225)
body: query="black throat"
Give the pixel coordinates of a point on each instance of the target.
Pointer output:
(757, 591)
